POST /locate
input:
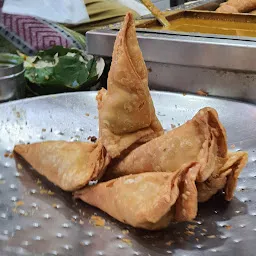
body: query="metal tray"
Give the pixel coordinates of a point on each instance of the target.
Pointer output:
(204, 24)
(36, 218)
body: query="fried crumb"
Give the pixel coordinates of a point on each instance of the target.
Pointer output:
(43, 130)
(127, 241)
(191, 226)
(18, 114)
(190, 233)
(125, 231)
(81, 222)
(38, 181)
(7, 154)
(50, 193)
(169, 243)
(107, 227)
(87, 114)
(19, 203)
(228, 227)
(95, 117)
(23, 213)
(173, 126)
(19, 166)
(184, 94)
(202, 93)
(43, 191)
(197, 239)
(97, 221)
(212, 236)
(204, 230)
(55, 206)
(233, 146)
(149, 70)
(92, 138)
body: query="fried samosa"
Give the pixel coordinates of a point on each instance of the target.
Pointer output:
(224, 178)
(126, 111)
(147, 200)
(69, 165)
(237, 6)
(202, 139)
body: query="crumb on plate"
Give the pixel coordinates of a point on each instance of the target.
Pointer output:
(191, 226)
(169, 243)
(202, 93)
(228, 227)
(190, 233)
(97, 221)
(127, 241)
(19, 166)
(92, 138)
(173, 126)
(19, 203)
(125, 231)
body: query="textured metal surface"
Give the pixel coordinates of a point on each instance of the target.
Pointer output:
(223, 83)
(178, 49)
(12, 81)
(37, 218)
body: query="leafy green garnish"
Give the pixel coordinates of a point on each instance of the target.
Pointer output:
(60, 70)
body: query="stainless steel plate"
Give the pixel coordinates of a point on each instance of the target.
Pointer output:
(36, 218)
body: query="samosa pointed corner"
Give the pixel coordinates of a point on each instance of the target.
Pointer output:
(69, 165)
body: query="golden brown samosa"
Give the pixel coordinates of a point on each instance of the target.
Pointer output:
(147, 200)
(126, 111)
(69, 165)
(224, 178)
(237, 6)
(202, 139)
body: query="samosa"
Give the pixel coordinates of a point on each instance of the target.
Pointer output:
(224, 178)
(126, 111)
(147, 200)
(202, 140)
(237, 6)
(69, 165)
